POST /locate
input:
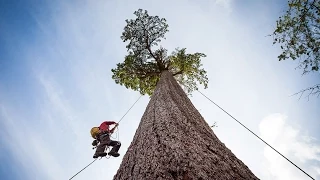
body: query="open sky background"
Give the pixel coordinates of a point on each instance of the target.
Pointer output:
(55, 84)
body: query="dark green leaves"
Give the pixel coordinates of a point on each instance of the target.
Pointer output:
(142, 67)
(143, 33)
(298, 32)
(187, 69)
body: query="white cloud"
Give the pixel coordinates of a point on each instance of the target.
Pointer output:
(80, 44)
(300, 148)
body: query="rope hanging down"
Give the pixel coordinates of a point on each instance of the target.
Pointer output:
(118, 137)
(256, 135)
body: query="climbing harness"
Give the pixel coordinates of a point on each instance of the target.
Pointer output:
(223, 111)
(256, 135)
(108, 147)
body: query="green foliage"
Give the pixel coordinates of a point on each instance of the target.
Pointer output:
(142, 67)
(298, 32)
(136, 74)
(190, 65)
(143, 33)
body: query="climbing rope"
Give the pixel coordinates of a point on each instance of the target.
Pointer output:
(129, 109)
(256, 135)
(117, 135)
(83, 169)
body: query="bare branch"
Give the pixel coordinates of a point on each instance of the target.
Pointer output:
(314, 90)
(301, 95)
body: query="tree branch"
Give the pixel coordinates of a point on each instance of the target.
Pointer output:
(159, 63)
(151, 53)
(179, 72)
(312, 4)
(148, 43)
(313, 91)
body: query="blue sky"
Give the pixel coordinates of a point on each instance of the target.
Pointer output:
(55, 84)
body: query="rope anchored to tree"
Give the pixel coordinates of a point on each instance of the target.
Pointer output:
(255, 135)
(118, 137)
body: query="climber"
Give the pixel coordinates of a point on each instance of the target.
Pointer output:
(101, 135)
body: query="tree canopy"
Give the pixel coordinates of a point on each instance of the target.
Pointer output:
(142, 66)
(298, 33)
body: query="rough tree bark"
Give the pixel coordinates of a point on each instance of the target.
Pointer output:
(173, 141)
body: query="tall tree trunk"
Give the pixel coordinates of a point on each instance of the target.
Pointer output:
(173, 141)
